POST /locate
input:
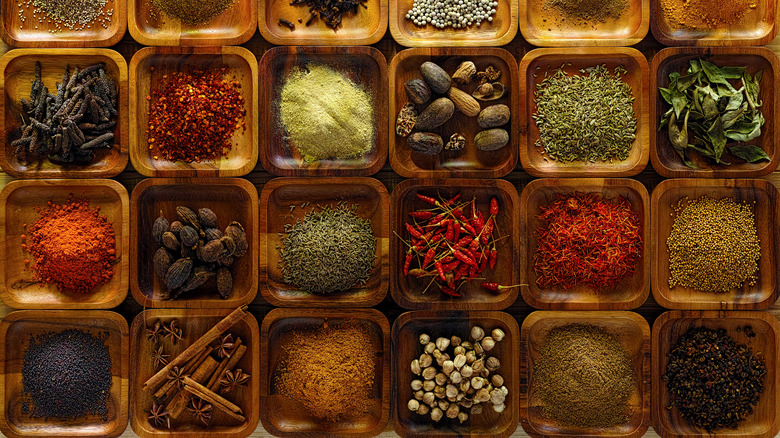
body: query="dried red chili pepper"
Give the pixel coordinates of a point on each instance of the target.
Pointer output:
(440, 270)
(422, 215)
(497, 287)
(428, 199)
(450, 291)
(413, 231)
(493, 207)
(493, 258)
(429, 256)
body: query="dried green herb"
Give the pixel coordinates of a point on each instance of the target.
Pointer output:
(585, 118)
(713, 112)
(329, 250)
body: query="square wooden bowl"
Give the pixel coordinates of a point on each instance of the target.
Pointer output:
(631, 292)
(16, 330)
(676, 59)
(499, 32)
(17, 72)
(365, 66)
(282, 198)
(547, 27)
(284, 417)
(150, 27)
(408, 291)
(633, 334)
(469, 162)
(18, 201)
(366, 27)
(232, 199)
(242, 64)
(765, 420)
(194, 324)
(764, 197)
(406, 347)
(756, 28)
(532, 69)
(34, 33)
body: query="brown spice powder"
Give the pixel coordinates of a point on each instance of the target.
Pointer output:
(706, 14)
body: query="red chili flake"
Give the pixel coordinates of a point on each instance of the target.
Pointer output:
(193, 116)
(586, 240)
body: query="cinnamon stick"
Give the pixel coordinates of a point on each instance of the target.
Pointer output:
(221, 327)
(182, 398)
(209, 396)
(234, 358)
(195, 362)
(168, 389)
(223, 365)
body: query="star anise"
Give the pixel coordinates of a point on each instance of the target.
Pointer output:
(200, 409)
(225, 346)
(159, 357)
(177, 375)
(154, 333)
(233, 379)
(173, 331)
(159, 416)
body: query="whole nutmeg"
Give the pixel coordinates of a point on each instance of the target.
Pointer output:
(467, 371)
(477, 333)
(413, 405)
(436, 414)
(425, 360)
(463, 417)
(498, 334)
(497, 380)
(459, 361)
(415, 366)
(453, 411)
(447, 367)
(442, 343)
(428, 385)
(456, 377)
(423, 409)
(417, 91)
(492, 364)
(440, 379)
(429, 373)
(455, 341)
(487, 343)
(417, 385)
(436, 77)
(429, 399)
(425, 339)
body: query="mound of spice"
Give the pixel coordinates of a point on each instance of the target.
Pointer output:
(329, 370)
(706, 14)
(455, 14)
(713, 245)
(193, 12)
(330, 250)
(69, 126)
(72, 246)
(587, 240)
(73, 15)
(588, 117)
(326, 115)
(331, 13)
(713, 381)
(583, 377)
(67, 374)
(194, 115)
(587, 11)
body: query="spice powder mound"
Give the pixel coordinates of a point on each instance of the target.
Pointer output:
(329, 370)
(706, 14)
(73, 246)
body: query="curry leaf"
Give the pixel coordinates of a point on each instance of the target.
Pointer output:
(749, 153)
(717, 137)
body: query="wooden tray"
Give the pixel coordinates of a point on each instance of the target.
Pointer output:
(242, 158)
(764, 196)
(284, 417)
(17, 328)
(544, 27)
(406, 291)
(149, 27)
(365, 66)
(232, 199)
(630, 293)
(18, 201)
(499, 32)
(532, 68)
(17, 71)
(675, 59)
(470, 162)
(633, 333)
(406, 347)
(282, 198)
(194, 323)
(757, 28)
(366, 27)
(765, 420)
(34, 33)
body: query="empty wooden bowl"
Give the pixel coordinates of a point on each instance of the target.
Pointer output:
(633, 334)
(149, 70)
(499, 32)
(533, 67)
(152, 27)
(231, 199)
(762, 195)
(20, 27)
(364, 66)
(16, 331)
(18, 202)
(17, 72)
(363, 28)
(286, 200)
(283, 416)
(667, 328)
(676, 59)
(468, 162)
(406, 348)
(194, 323)
(547, 26)
(630, 293)
(410, 292)
(756, 28)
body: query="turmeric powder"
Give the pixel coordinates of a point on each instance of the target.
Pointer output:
(706, 14)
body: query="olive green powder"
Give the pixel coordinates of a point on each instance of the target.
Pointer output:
(326, 115)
